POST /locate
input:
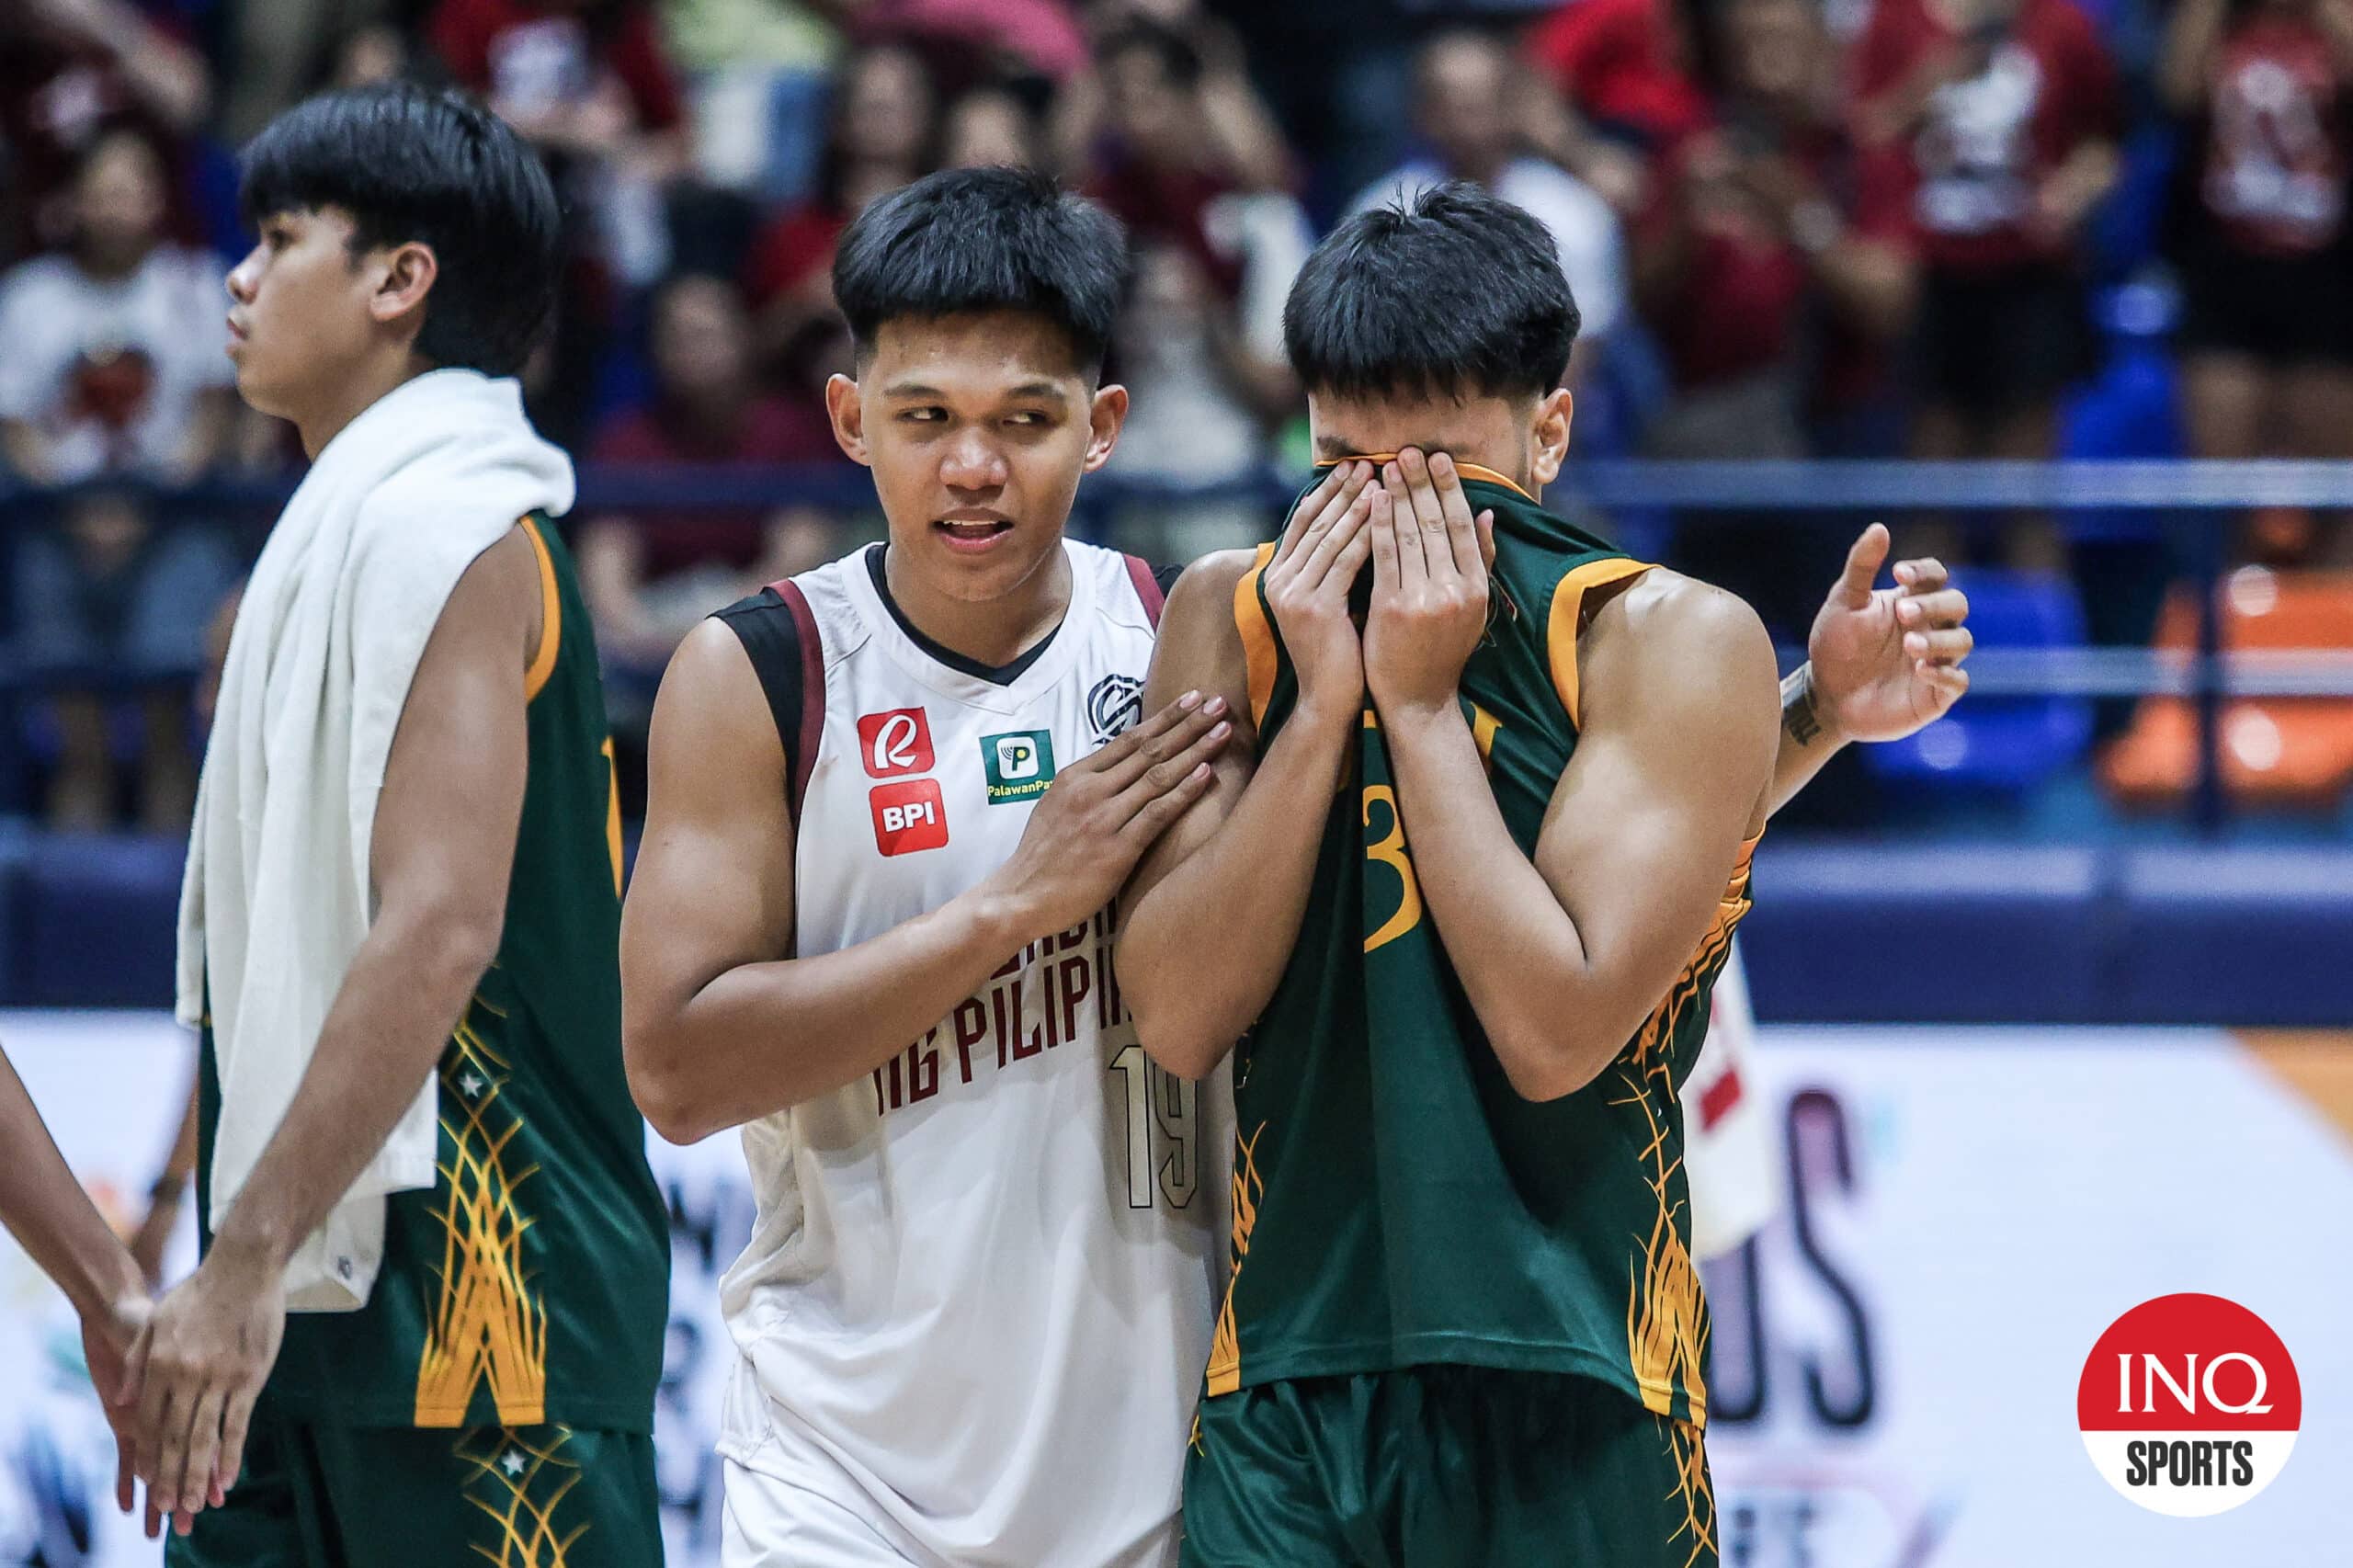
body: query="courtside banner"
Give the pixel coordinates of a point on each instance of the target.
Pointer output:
(1970, 1222)
(1910, 1362)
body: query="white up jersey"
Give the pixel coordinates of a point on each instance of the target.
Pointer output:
(977, 1301)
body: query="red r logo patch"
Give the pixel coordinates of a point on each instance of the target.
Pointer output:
(895, 742)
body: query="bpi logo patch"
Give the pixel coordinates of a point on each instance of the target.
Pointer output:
(908, 816)
(894, 742)
(2189, 1404)
(1020, 766)
(1116, 703)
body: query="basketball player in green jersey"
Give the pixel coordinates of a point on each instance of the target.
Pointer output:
(1463, 894)
(492, 1398)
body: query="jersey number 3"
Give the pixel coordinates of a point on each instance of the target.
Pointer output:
(1390, 851)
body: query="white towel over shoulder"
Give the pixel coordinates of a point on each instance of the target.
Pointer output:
(278, 896)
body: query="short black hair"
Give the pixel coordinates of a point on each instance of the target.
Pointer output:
(1457, 293)
(412, 165)
(964, 241)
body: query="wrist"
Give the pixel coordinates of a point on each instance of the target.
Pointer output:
(249, 1251)
(1807, 711)
(1000, 918)
(1405, 717)
(100, 1282)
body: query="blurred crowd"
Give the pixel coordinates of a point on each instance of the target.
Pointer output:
(1840, 228)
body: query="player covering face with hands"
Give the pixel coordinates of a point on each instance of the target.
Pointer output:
(1463, 1323)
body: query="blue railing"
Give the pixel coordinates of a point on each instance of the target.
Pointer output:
(2197, 500)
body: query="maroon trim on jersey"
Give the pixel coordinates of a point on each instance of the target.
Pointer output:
(1147, 588)
(812, 688)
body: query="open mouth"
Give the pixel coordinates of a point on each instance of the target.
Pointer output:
(971, 534)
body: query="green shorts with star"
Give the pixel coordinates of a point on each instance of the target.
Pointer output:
(318, 1494)
(1444, 1467)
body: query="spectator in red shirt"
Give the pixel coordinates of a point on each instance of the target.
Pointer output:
(580, 78)
(884, 135)
(650, 576)
(2268, 329)
(1775, 265)
(1625, 79)
(2006, 111)
(1771, 247)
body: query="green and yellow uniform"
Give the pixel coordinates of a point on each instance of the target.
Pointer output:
(1462, 1326)
(495, 1398)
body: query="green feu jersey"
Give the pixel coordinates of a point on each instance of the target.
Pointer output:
(530, 1283)
(1396, 1202)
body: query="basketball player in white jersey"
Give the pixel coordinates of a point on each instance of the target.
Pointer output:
(977, 1302)
(864, 927)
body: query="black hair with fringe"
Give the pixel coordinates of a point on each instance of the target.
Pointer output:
(1457, 293)
(409, 164)
(967, 240)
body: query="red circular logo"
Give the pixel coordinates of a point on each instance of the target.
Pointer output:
(2189, 1404)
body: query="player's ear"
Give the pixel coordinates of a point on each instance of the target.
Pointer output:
(1104, 417)
(847, 408)
(1548, 435)
(409, 273)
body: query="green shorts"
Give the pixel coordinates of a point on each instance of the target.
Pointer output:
(322, 1496)
(1444, 1467)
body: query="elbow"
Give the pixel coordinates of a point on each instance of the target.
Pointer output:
(1543, 1064)
(1189, 1048)
(672, 1104)
(447, 951)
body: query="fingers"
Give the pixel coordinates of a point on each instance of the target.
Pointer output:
(1486, 526)
(1322, 508)
(1177, 740)
(1924, 575)
(1351, 559)
(234, 1420)
(1946, 681)
(1939, 647)
(191, 1480)
(1310, 507)
(1413, 563)
(1136, 736)
(1186, 772)
(125, 1479)
(1155, 815)
(1454, 507)
(154, 1408)
(1864, 558)
(1381, 527)
(1315, 568)
(1943, 610)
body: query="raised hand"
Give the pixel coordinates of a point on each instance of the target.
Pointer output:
(1429, 583)
(1887, 660)
(1101, 814)
(1317, 562)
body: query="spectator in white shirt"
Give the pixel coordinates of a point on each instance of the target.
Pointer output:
(1467, 92)
(116, 357)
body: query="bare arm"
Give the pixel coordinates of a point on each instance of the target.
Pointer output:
(1564, 955)
(1215, 906)
(441, 852)
(720, 1024)
(50, 1216)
